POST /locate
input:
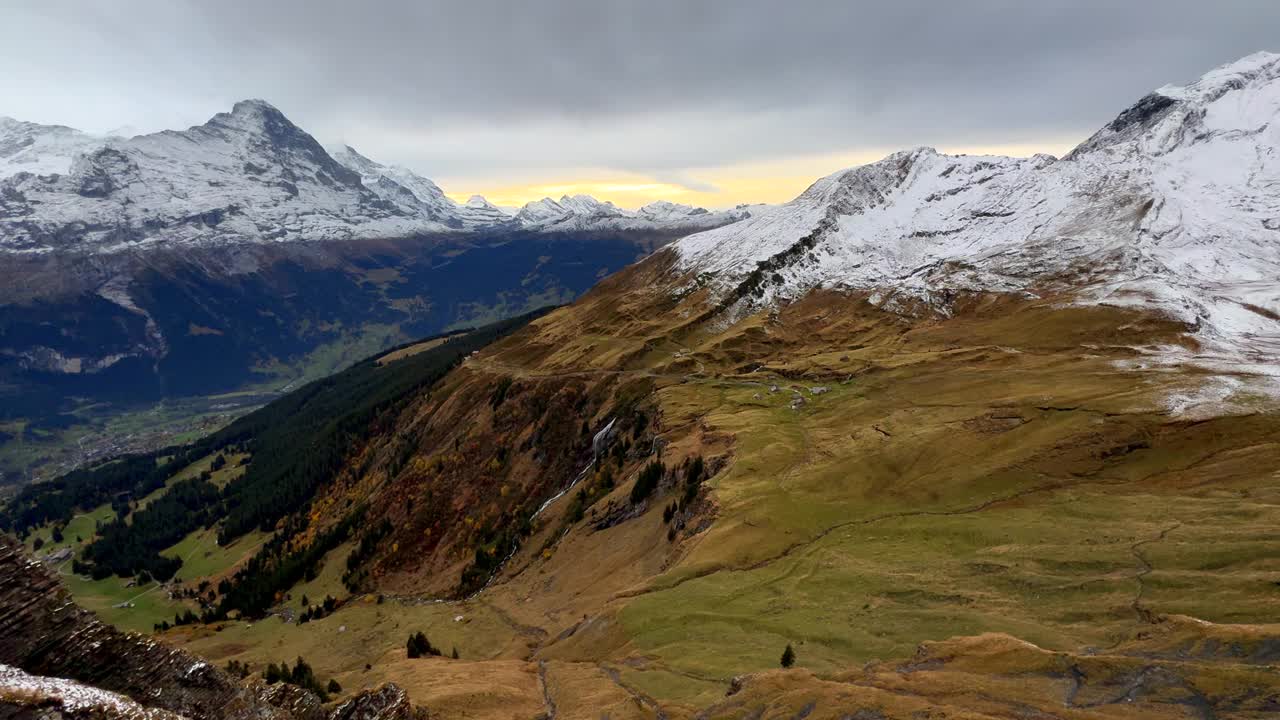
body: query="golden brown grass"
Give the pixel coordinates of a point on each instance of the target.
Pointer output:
(954, 516)
(411, 350)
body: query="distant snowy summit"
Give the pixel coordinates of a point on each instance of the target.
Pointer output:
(579, 212)
(1184, 183)
(1174, 205)
(248, 176)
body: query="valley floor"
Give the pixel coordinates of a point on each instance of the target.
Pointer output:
(98, 431)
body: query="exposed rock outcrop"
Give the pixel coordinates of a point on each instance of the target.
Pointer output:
(388, 702)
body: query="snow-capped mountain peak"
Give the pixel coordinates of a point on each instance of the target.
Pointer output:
(539, 211)
(1261, 65)
(666, 211)
(251, 113)
(479, 213)
(1240, 94)
(1174, 205)
(248, 175)
(589, 206)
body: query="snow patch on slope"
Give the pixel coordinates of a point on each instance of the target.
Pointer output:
(38, 691)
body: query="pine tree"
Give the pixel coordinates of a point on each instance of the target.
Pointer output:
(419, 646)
(788, 657)
(647, 481)
(455, 654)
(334, 687)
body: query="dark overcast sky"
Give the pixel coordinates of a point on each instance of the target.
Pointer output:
(512, 92)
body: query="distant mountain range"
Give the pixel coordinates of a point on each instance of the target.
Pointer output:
(242, 255)
(251, 175)
(201, 261)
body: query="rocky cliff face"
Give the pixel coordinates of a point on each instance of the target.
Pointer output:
(55, 656)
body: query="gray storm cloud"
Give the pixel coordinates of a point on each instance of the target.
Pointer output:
(476, 88)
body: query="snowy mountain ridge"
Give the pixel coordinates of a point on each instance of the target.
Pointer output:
(1174, 205)
(42, 149)
(248, 175)
(397, 184)
(580, 212)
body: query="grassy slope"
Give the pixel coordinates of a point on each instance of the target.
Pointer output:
(139, 608)
(984, 474)
(224, 475)
(952, 494)
(110, 597)
(328, 581)
(202, 557)
(976, 475)
(82, 526)
(136, 608)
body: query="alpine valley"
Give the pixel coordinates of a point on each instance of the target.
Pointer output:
(943, 437)
(155, 283)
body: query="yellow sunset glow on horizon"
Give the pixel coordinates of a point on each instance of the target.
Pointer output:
(771, 182)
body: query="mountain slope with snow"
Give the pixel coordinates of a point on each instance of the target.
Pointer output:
(249, 176)
(1174, 205)
(399, 185)
(395, 183)
(479, 212)
(246, 175)
(41, 149)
